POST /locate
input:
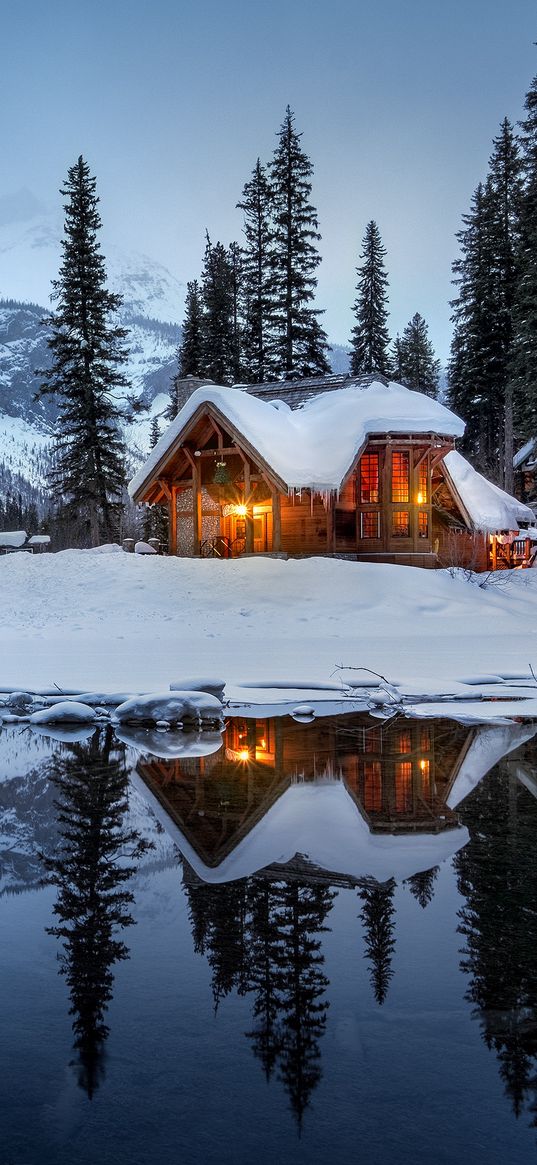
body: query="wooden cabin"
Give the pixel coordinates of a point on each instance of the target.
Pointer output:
(357, 468)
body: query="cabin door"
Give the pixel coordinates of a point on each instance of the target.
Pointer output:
(262, 529)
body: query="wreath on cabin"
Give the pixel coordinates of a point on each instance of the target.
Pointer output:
(221, 474)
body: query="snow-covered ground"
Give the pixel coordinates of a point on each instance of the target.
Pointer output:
(106, 620)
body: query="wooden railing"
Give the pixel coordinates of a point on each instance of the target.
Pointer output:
(220, 547)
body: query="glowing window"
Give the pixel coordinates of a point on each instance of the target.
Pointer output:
(423, 482)
(400, 524)
(423, 524)
(400, 477)
(369, 477)
(425, 773)
(370, 524)
(405, 741)
(403, 786)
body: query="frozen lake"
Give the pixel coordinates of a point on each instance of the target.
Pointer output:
(295, 942)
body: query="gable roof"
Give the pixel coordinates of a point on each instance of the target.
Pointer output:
(314, 444)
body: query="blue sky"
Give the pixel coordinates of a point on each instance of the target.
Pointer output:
(171, 103)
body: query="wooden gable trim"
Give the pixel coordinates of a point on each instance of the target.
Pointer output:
(215, 417)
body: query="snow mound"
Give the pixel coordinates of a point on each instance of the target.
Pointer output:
(161, 707)
(13, 538)
(213, 687)
(65, 712)
(144, 548)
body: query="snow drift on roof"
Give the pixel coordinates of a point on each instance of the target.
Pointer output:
(314, 446)
(489, 507)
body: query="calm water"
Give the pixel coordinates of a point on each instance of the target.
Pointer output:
(298, 943)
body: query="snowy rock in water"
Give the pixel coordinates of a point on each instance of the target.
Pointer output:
(65, 712)
(170, 744)
(181, 706)
(303, 713)
(213, 687)
(144, 548)
(20, 700)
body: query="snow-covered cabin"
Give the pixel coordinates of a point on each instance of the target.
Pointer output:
(358, 467)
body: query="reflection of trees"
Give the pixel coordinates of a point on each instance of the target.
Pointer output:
(497, 877)
(261, 937)
(90, 870)
(377, 915)
(422, 885)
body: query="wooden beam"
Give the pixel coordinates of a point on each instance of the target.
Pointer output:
(165, 488)
(227, 451)
(249, 522)
(276, 521)
(330, 526)
(197, 506)
(172, 512)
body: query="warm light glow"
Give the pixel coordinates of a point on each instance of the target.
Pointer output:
(420, 499)
(241, 511)
(243, 754)
(424, 764)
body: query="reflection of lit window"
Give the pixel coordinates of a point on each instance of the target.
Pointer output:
(369, 480)
(264, 749)
(370, 524)
(403, 786)
(425, 771)
(405, 741)
(425, 739)
(372, 786)
(400, 477)
(400, 524)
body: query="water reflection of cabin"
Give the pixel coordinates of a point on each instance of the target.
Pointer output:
(399, 775)
(358, 468)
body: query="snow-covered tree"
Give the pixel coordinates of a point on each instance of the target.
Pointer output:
(370, 339)
(218, 325)
(300, 342)
(85, 376)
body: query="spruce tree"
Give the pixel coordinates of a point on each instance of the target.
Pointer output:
(370, 339)
(258, 277)
(85, 376)
(218, 326)
(377, 915)
(523, 380)
(190, 351)
(300, 342)
(155, 524)
(418, 367)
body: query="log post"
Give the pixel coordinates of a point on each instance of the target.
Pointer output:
(330, 525)
(172, 512)
(197, 507)
(249, 520)
(276, 521)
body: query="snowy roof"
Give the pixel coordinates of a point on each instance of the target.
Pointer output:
(14, 538)
(313, 446)
(321, 822)
(488, 507)
(524, 453)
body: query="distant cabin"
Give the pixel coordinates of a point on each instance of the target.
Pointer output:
(359, 468)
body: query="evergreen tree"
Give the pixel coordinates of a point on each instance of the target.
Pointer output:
(218, 321)
(155, 524)
(481, 377)
(190, 352)
(421, 885)
(370, 339)
(236, 259)
(418, 367)
(300, 342)
(523, 381)
(93, 901)
(377, 917)
(258, 276)
(85, 375)
(471, 382)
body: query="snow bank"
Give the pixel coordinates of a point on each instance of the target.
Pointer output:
(316, 445)
(88, 622)
(166, 709)
(14, 538)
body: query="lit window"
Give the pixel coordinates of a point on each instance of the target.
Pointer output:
(400, 524)
(369, 477)
(403, 786)
(370, 524)
(425, 739)
(425, 772)
(405, 741)
(423, 524)
(400, 477)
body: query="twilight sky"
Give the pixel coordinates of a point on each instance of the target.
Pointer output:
(171, 101)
